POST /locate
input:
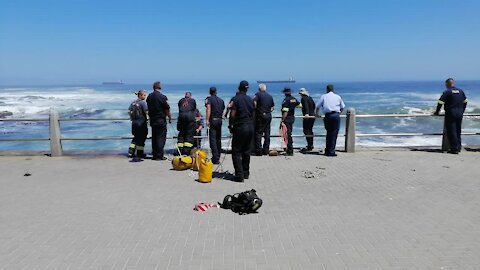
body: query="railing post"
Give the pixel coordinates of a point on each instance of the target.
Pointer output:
(350, 129)
(55, 141)
(445, 142)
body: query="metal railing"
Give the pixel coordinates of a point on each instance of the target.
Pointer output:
(350, 135)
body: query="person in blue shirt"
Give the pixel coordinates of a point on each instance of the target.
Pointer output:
(241, 127)
(331, 105)
(138, 111)
(455, 102)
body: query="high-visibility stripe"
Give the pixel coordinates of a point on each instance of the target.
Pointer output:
(140, 148)
(284, 109)
(441, 102)
(132, 145)
(187, 144)
(180, 144)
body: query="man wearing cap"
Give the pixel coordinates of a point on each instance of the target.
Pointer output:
(264, 106)
(158, 110)
(215, 107)
(241, 126)
(455, 103)
(288, 116)
(331, 105)
(308, 111)
(186, 123)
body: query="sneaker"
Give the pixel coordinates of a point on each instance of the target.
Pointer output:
(159, 158)
(238, 179)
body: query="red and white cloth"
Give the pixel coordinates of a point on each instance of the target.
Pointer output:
(202, 207)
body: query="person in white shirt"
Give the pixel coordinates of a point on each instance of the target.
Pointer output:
(331, 105)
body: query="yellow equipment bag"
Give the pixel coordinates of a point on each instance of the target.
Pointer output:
(198, 155)
(182, 163)
(205, 170)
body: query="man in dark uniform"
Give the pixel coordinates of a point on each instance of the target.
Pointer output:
(158, 110)
(308, 111)
(241, 126)
(264, 106)
(455, 102)
(186, 123)
(215, 107)
(288, 116)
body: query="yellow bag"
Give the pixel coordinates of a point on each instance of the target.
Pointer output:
(182, 163)
(200, 155)
(205, 170)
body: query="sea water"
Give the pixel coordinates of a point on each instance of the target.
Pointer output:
(112, 101)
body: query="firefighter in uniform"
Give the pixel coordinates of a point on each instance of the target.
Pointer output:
(186, 123)
(308, 111)
(288, 116)
(138, 111)
(158, 110)
(455, 102)
(215, 107)
(264, 106)
(241, 126)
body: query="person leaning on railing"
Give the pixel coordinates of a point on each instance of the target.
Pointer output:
(455, 103)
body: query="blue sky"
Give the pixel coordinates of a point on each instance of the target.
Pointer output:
(55, 42)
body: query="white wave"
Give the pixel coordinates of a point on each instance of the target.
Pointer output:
(400, 141)
(414, 110)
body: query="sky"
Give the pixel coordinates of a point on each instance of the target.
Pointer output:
(213, 41)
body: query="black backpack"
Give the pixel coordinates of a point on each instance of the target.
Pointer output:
(242, 203)
(136, 111)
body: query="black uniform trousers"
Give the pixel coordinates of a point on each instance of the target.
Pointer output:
(453, 126)
(159, 136)
(241, 148)
(186, 131)
(308, 131)
(332, 125)
(139, 132)
(215, 138)
(289, 124)
(262, 129)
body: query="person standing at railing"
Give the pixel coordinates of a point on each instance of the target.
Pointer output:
(308, 111)
(215, 107)
(331, 105)
(264, 106)
(241, 127)
(158, 111)
(186, 123)
(199, 124)
(138, 111)
(288, 117)
(455, 102)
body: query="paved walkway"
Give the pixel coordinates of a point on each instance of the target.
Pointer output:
(368, 210)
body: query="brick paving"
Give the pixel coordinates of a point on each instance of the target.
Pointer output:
(367, 210)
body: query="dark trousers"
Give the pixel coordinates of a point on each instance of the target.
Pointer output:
(332, 125)
(215, 138)
(262, 129)
(186, 131)
(453, 126)
(241, 148)
(139, 132)
(308, 131)
(289, 125)
(159, 136)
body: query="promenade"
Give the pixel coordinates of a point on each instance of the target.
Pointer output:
(376, 209)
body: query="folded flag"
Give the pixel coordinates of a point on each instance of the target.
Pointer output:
(202, 207)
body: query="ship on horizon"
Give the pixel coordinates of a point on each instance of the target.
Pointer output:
(113, 83)
(290, 80)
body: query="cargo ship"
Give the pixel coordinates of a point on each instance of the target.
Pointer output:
(113, 83)
(290, 80)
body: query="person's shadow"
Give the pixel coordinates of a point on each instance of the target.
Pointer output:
(224, 176)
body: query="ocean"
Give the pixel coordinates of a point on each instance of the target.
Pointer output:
(112, 101)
